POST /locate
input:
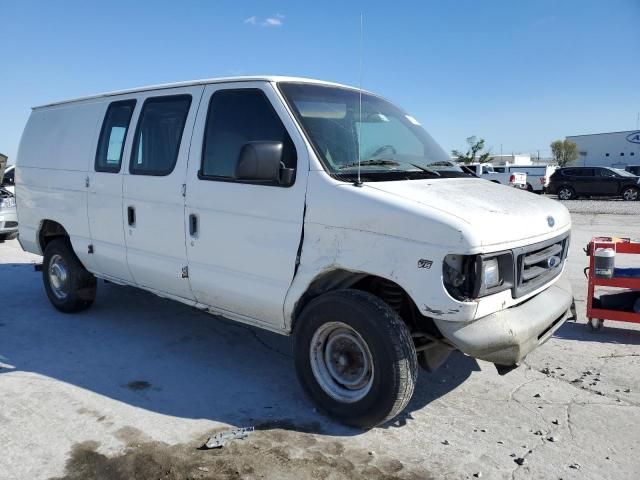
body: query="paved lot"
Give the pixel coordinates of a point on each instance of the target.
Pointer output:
(132, 387)
(602, 205)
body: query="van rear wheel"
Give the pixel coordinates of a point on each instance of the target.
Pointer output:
(69, 286)
(355, 357)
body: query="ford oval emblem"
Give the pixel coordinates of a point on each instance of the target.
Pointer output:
(551, 221)
(553, 261)
(634, 137)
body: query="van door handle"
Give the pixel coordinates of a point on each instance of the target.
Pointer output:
(131, 215)
(193, 225)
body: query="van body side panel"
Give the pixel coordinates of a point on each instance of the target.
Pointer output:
(371, 230)
(51, 172)
(243, 258)
(156, 241)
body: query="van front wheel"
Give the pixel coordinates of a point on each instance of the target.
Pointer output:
(69, 286)
(355, 357)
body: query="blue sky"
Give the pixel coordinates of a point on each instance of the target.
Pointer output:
(519, 74)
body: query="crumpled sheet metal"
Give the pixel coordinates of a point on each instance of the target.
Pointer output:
(219, 440)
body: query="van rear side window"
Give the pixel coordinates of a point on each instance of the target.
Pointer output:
(113, 135)
(158, 135)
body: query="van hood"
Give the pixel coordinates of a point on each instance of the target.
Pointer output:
(493, 214)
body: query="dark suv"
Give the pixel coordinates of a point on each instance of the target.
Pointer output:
(571, 182)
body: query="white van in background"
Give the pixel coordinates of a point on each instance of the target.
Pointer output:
(537, 175)
(488, 172)
(301, 207)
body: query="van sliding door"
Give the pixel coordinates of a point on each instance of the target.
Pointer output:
(153, 201)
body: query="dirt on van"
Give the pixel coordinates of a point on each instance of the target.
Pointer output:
(265, 454)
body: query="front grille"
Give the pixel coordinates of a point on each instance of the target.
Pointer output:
(10, 224)
(538, 264)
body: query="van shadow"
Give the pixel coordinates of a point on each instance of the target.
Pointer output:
(609, 334)
(156, 354)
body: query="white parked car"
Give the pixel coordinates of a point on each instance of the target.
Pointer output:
(486, 171)
(284, 204)
(8, 215)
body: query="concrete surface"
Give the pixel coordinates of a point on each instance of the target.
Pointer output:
(131, 388)
(595, 205)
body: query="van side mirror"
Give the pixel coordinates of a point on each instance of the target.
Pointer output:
(262, 162)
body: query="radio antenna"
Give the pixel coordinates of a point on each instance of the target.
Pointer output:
(359, 181)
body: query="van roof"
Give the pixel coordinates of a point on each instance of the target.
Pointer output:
(257, 78)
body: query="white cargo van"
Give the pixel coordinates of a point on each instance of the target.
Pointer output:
(298, 206)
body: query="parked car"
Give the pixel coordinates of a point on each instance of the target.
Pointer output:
(537, 175)
(301, 207)
(486, 171)
(635, 169)
(8, 216)
(572, 182)
(8, 180)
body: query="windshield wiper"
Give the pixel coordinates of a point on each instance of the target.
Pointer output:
(426, 169)
(371, 162)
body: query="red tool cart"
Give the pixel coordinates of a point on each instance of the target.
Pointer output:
(595, 314)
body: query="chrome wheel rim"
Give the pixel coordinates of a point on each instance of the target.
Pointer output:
(564, 194)
(58, 276)
(630, 194)
(341, 362)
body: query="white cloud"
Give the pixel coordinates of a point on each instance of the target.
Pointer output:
(272, 22)
(275, 20)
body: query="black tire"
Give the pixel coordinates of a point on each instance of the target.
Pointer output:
(8, 236)
(566, 193)
(391, 347)
(79, 286)
(529, 188)
(630, 194)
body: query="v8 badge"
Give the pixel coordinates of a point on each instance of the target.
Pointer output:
(423, 263)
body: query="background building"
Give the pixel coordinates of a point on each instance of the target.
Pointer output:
(512, 159)
(614, 149)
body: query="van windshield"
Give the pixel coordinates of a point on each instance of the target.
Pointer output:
(390, 143)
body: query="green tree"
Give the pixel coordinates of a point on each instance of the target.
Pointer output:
(564, 152)
(474, 152)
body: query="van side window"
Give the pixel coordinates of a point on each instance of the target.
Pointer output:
(113, 135)
(234, 118)
(158, 135)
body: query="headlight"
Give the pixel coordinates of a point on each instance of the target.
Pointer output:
(490, 273)
(8, 202)
(467, 277)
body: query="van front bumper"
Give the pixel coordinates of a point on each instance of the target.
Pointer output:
(507, 336)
